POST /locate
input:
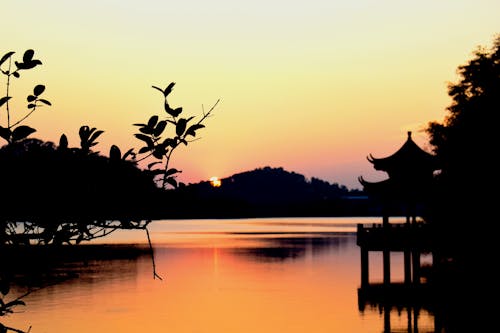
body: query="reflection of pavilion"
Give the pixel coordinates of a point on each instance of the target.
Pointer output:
(405, 192)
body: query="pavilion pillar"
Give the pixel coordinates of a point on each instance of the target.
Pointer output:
(416, 266)
(407, 266)
(365, 265)
(386, 257)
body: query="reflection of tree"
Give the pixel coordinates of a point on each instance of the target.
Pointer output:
(284, 248)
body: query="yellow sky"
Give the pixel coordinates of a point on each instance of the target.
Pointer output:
(311, 86)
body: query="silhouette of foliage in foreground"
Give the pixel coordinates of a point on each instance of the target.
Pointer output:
(466, 145)
(57, 194)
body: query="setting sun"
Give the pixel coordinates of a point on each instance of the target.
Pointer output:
(215, 182)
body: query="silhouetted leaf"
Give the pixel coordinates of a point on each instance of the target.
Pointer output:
(177, 111)
(129, 152)
(84, 132)
(94, 136)
(168, 89)
(169, 142)
(152, 121)
(114, 153)
(150, 165)
(16, 75)
(171, 181)
(31, 106)
(146, 139)
(172, 171)
(156, 172)
(193, 128)
(63, 142)
(38, 90)
(30, 98)
(144, 150)
(146, 130)
(181, 126)
(44, 101)
(6, 56)
(5, 133)
(28, 55)
(139, 124)
(161, 90)
(22, 132)
(159, 152)
(4, 100)
(160, 127)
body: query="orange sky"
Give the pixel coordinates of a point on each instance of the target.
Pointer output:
(310, 86)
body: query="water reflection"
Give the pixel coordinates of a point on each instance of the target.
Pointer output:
(232, 281)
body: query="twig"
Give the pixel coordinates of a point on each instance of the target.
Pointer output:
(155, 275)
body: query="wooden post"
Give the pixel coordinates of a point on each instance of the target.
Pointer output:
(416, 266)
(407, 266)
(387, 266)
(365, 265)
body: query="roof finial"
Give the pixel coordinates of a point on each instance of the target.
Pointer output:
(409, 135)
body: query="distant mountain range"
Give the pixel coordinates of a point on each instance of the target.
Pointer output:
(270, 192)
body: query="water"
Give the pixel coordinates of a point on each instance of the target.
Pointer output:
(247, 275)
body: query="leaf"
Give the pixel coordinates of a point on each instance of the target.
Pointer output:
(168, 89)
(5, 133)
(31, 106)
(160, 127)
(63, 142)
(144, 150)
(44, 101)
(146, 130)
(94, 136)
(16, 75)
(22, 132)
(161, 90)
(159, 152)
(171, 181)
(156, 172)
(84, 132)
(150, 165)
(114, 153)
(38, 90)
(30, 98)
(193, 128)
(129, 152)
(4, 100)
(139, 124)
(4, 287)
(181, 127)
(177, 112)
(172, 171)
(146, 139)
(152, 121)
(6, 56)
(28, 55)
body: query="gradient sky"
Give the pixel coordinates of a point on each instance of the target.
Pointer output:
(311, 86)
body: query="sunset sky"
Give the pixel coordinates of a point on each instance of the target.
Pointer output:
(311, 86)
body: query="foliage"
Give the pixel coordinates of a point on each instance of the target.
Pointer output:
(465, 143)
(159, 145)
(14, 130)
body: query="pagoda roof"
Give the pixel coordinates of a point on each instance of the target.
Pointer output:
(409, 156)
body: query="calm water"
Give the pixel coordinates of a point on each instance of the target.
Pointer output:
(248, 275)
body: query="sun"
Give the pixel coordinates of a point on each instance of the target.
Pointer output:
(215, 181)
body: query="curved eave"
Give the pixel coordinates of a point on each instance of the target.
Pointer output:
(409, 154)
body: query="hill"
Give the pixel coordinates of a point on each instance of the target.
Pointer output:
(269, 192)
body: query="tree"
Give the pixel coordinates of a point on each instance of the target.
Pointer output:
(466, 145)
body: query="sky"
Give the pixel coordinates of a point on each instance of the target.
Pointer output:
(311, 86)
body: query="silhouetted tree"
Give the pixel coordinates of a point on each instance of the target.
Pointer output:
(466, 144)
